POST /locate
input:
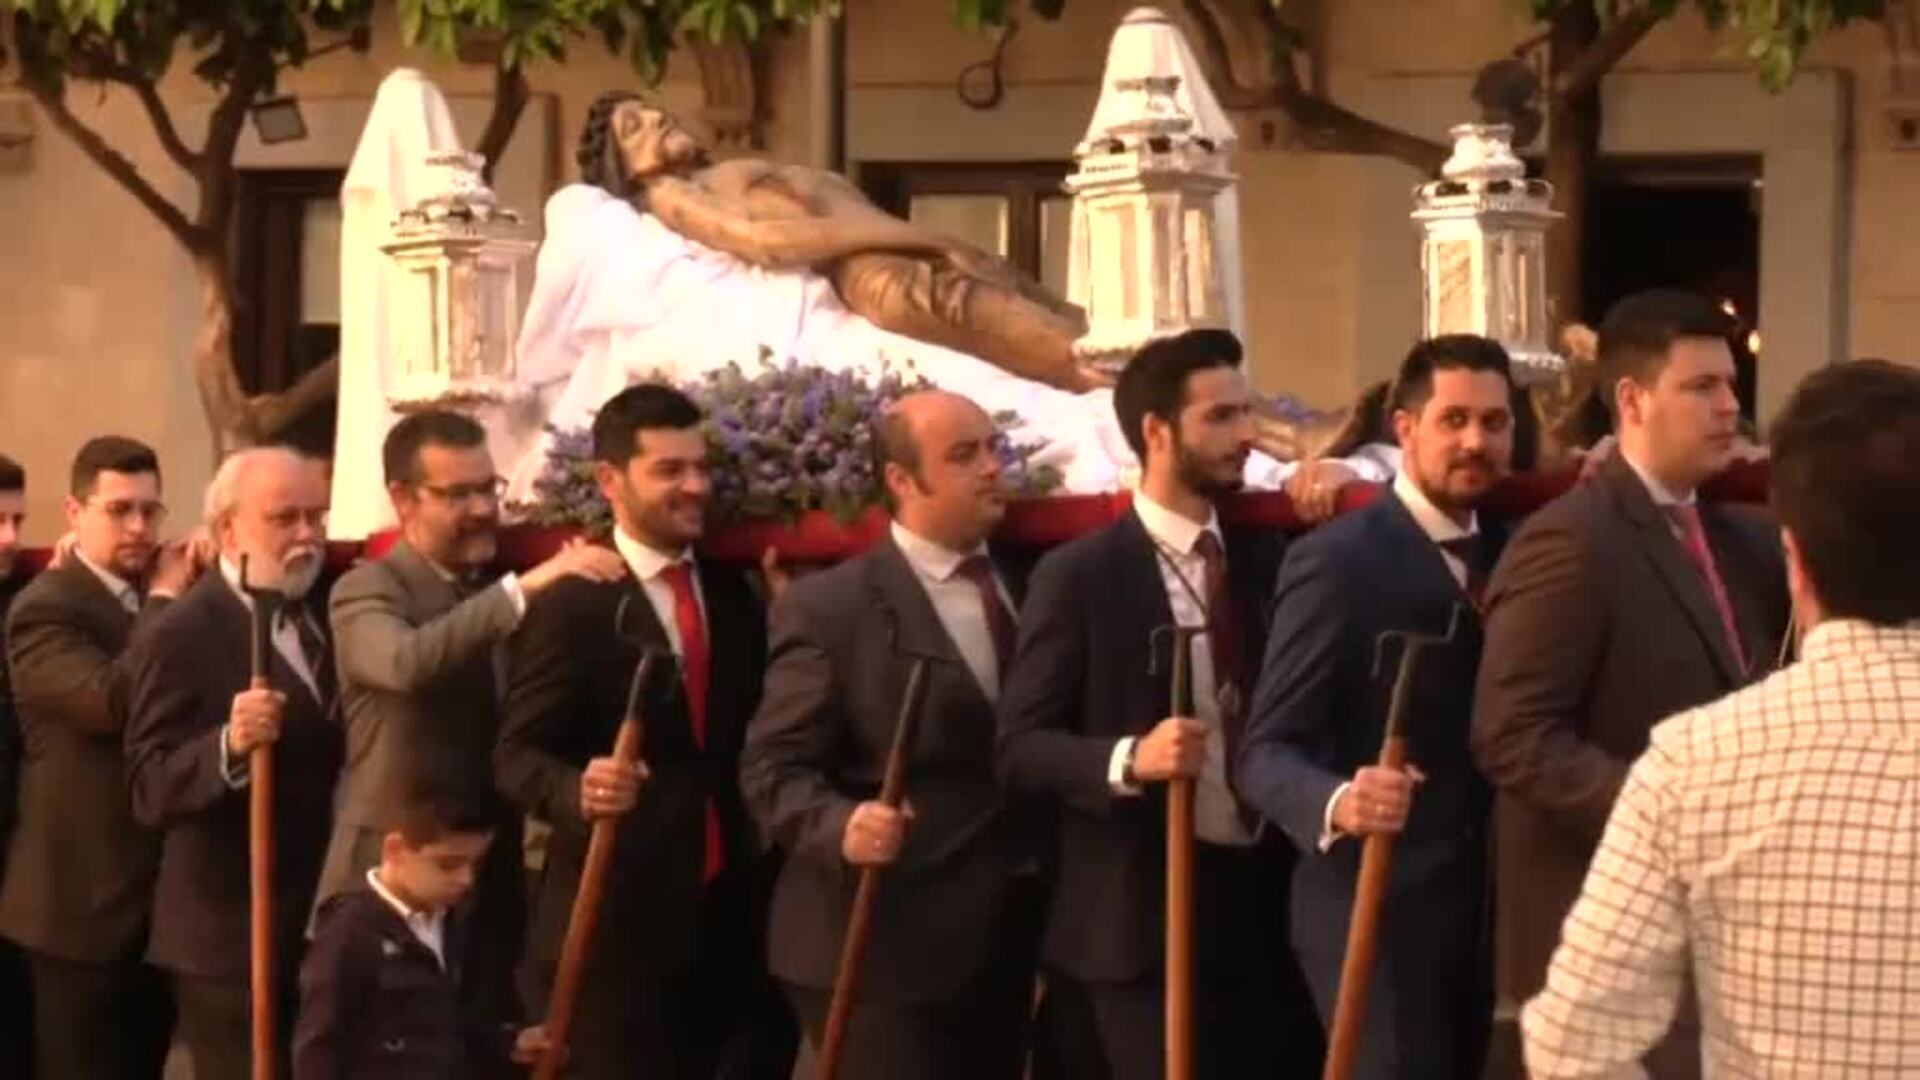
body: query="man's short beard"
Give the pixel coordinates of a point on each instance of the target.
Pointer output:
(1195, 478)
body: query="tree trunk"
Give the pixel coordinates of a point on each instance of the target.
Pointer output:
(1573, 148)
(221, 396)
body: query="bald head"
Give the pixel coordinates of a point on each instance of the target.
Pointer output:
(937, 457)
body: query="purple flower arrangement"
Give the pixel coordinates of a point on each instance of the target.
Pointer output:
(783, 441)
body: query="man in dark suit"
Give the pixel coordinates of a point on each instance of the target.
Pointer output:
(1620, 603)
(1413, 561)
(15, 1039)
(418, 635)
(79, 882)
(947, 984)
(193, 723)
(1085, 719)
(677, 976)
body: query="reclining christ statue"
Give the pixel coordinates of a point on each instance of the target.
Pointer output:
(661, 263)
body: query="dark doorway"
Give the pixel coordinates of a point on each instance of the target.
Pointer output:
(1685, 223)
(286, 274)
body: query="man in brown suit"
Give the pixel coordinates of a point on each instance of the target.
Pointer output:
(80, 873)
(1617, 605)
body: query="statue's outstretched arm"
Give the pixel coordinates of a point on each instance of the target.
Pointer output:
(781, 243)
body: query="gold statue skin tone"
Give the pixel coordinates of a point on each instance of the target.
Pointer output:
(897, 275)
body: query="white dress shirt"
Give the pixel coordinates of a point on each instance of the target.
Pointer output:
(126, 594)
(649, 566)
(1440, 529)
(1216, 817)
(430, 927)
(956, 602)
(1662, 495)
(286, 642)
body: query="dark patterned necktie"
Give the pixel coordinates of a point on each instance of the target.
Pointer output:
(979, 570)
(1467, 550)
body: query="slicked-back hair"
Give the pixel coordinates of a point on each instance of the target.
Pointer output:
(643, 407)
(1637, 335)
(12, 476)
(1154, 382)
(1845, 478)
(400, 453)
(110, 453)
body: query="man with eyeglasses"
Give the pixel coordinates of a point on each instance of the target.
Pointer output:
(193, 720)
(418, 637)
(80, 871)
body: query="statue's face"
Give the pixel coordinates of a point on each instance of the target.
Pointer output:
(652, 142)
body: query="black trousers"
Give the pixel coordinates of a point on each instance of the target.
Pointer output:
(1253, 1017)
(722, 1019)
(216, 1023)
(979, 1034)
(16, 985)
(108, 1021)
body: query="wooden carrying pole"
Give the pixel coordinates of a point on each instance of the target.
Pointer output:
(262, 981)
(1179, 988)
(846, 982)
(1376, 871)
(593, 887)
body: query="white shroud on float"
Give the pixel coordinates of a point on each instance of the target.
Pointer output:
(619, 298)
(409, 123)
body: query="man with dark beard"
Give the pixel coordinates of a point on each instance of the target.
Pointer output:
(1406, 563)
(1086, 719)
(677, 977)
(193, 722)
(418, 634)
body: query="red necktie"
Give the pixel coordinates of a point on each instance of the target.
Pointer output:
(1223, 628)
(1693, 535)
(695, 672)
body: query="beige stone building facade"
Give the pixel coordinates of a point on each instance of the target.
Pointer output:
(98, 307)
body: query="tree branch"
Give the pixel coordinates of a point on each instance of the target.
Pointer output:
(103, 66)
(267, 415)
(115, 164)
(224, 125)
(1319, 123)
(1609, 49)
(510, 96)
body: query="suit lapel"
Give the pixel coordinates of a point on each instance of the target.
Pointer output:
(1143, 611)
(100, 603)
(1654, 534)
(1416, 554)
(429, 594)
(1731, 553)
(918, 631)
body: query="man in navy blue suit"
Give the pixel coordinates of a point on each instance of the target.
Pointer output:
(1405, 563)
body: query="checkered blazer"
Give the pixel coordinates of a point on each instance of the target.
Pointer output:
(1770, 840)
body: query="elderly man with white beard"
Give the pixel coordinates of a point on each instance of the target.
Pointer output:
(193, 721)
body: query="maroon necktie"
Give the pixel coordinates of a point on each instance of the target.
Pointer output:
(1467, 550)
(1693, 536)
(1223, 628)
(695, 672)
(979, 570)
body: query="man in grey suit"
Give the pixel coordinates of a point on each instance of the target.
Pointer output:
(80, 872)
(1620, 603)
(948, 976)
(416, 636)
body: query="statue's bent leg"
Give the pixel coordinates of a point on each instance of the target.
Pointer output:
(939, 304)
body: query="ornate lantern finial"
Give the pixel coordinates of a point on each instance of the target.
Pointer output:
(1143, 242)
(1483, 251)
(457, 298)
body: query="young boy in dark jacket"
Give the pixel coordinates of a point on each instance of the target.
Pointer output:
(380, 989)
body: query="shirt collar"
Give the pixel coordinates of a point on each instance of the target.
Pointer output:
(115, 584)
(408, 915)
(929, 559)
(1835, 638)
(646, 562)
(1439, 527)
(1173, 531)
(1658, 491)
